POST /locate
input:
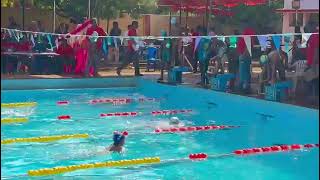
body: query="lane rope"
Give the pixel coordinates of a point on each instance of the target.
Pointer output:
(20, 104)
(44, 139)
(13, 120)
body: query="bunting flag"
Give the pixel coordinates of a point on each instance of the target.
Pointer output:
(263, 41)
(32, 40)
(57, 42)
(49, 41)
(287, 40)
(221, 38)
(104, 46)
(233, 42)
(247, 40)
(196, 44)
(115, 40)
(305, 38)
(277, 41)
(9, 32)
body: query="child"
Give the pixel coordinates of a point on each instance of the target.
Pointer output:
(40, 62)
(66, 57)
(203, 57)
(165, 54)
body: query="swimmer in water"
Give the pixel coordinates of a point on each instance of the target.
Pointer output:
(118, 142)
(174, 121)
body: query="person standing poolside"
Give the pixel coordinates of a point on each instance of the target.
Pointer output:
(132, 53)
(95, 47)
(115, 44)
(203, 57)
(276, 64)
(165, 54)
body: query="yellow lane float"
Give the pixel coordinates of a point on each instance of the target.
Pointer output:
(22, 104)
(13, 120)
(44, 138)
(64, 169)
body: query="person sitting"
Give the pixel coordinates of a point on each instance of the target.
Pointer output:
(40, 62)
(118, 142)
(66, 57)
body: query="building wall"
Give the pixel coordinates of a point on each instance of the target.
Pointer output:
(31, 14)
(304, 4)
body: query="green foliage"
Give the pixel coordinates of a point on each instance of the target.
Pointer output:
(262, 18)
(106, 9)
(7, 3)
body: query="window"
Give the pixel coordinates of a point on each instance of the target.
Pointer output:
(292, 19)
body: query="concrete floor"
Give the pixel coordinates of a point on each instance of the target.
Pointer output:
(189, 79)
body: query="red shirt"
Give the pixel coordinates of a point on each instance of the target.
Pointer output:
(100, 32)
(131, 32)
(66, 51)
(313, 45)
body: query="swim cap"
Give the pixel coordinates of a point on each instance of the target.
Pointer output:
(174, 120)
(118, 137)
(263, 59)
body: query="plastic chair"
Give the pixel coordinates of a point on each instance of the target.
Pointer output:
(152, 58)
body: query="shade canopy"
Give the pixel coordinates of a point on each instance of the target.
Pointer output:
(224, 3)
(201, 6)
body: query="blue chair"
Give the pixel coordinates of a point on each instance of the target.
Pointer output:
(152, 53)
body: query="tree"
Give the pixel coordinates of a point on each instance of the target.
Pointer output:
(105, 9)
(262, 18)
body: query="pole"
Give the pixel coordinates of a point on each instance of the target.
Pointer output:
(54, 15)
(180, 15)
(209, 14)
(89, 9)
(207, 17)
(170, 17)
(23, 14)
(187, 13)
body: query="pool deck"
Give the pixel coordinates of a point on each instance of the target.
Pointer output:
(189, 79)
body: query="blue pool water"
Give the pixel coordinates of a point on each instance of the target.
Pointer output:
(262, 124)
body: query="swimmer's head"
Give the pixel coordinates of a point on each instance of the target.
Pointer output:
(118, 138)
(174, 120)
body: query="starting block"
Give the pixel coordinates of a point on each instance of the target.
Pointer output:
(278, 91)
(221, 82)
(175, 74)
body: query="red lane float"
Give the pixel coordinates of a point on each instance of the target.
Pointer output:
(119, 114)
(274, 149)
(191, 129)
(169, 112)
(63, 102)
(64, 117)
(110, 100)
(199, 156)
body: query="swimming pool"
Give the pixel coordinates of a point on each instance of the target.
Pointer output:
(262, 123)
